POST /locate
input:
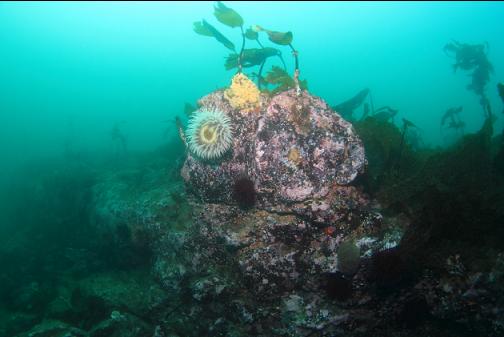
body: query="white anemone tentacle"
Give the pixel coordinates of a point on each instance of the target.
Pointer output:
(209, 134)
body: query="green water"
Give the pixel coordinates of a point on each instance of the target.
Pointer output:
(72, 70)
(89, 93)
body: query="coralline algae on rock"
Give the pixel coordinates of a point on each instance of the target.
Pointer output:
(299, 159)
(306, 155)
(301, 155)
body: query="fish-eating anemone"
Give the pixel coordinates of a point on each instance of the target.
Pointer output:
(209, 134)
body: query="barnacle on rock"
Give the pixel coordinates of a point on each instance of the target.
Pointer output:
(209, 134)
(243, 94)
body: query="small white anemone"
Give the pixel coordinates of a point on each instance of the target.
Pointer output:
(209, 134)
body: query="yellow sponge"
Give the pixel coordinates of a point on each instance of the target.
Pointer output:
(243, 94)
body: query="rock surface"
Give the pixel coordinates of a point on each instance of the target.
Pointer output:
(301, 156)
(281, 251)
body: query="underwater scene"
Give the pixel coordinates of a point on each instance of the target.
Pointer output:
(301, 169)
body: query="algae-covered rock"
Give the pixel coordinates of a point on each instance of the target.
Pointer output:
(301, 156)
(121, 325)
(12, 323)
(52, 328)
(128, 292)
(306, 157)
(348, 257)
(275, 209)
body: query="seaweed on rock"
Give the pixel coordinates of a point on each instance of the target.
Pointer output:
(251, 57)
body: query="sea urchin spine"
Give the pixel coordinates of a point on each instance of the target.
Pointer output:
(209, 134)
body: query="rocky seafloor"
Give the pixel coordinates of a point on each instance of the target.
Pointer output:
(310, 226)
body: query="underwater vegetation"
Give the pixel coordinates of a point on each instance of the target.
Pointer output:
(252, 57)
(277, 215)
(451, 120)
(447, 201)
(347, 108)
(473, 57)
(279, 80)
(387, 147)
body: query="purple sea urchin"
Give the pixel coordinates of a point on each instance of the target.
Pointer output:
(209, 134)
(244, 192)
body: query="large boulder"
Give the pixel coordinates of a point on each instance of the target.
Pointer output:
(297, 160)
(300, 156)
